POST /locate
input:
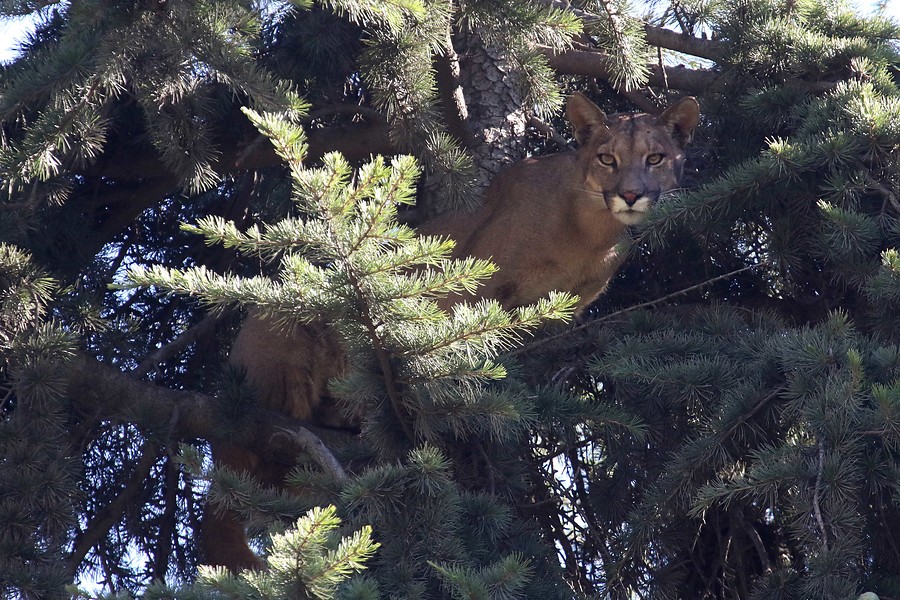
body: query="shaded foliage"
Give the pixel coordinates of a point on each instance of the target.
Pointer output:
(735, 437)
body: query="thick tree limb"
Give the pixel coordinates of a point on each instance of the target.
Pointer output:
(658, 36)
(292, 438)
(695, 81)
(242, 149)
(597, 64)
(105, 392)
(130, 178)
(687, 44)
(116, 206)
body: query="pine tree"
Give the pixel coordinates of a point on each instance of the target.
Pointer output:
(37, 473)
(721, 423)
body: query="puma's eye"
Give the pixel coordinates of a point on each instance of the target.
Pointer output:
(655, 159)
(607, 159)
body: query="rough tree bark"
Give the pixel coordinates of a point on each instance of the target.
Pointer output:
(497, 120)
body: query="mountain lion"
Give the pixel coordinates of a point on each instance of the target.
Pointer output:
(549, 223)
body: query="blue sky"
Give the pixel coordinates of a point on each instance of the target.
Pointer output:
(13, 30)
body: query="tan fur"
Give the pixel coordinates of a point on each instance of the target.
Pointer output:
(549, 223)
(289, 371)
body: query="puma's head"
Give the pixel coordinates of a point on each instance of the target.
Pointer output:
(630, 159)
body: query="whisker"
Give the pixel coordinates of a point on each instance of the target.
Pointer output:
(590, 191)
(670, 193)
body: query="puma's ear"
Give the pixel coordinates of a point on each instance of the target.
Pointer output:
(683, 116)
(585, 116)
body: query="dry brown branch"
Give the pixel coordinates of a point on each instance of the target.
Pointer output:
(549, 132)
(687, 44)
(313, 446)
(449, 86)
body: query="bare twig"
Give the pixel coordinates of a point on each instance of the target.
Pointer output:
(755, 539)
(317, 450)
(97, 529)
(167, 522)
(748, 415)
(817, 512)
(5, 399)
(166, 352)
(346, 109)
(549, 132)
(552, 338)
(662, 66)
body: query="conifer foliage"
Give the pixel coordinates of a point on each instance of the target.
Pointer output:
(722, 423)
(418, 374)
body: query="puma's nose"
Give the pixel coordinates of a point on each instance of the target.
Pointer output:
(630, 197)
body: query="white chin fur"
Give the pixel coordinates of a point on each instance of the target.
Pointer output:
(629, 215)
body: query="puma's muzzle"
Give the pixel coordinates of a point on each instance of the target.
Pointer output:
(631, 210)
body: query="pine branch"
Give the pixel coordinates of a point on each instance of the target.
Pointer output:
(308, 560)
